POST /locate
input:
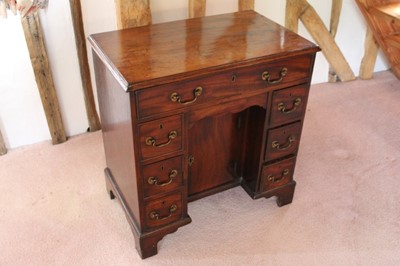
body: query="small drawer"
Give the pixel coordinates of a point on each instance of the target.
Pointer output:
(163, 176)
(161, 136)
(283, 73)
(180, 95)
(282, 141)
(163, 211)
(277, 174)
(288, 105)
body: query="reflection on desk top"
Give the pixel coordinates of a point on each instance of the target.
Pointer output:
(161, 53)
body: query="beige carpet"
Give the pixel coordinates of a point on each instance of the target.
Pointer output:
(54, 209)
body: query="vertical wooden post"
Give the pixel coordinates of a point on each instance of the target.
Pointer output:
(371, 48)
(80, 41)
(132, 13)
(3, 149)
(37, 50)
(292, 16)
(322, 37)
(335, 16)
(331, 51)
(197, 8)
(246, 5)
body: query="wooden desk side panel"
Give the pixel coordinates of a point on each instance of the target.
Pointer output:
(116, 120)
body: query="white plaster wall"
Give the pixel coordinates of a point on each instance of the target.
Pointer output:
(22, 119)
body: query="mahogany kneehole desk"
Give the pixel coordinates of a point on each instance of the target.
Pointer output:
(194, 107)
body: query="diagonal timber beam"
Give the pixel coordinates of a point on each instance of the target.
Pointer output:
(371, 48)
(334, 24)
(314, 25)
(293, 11)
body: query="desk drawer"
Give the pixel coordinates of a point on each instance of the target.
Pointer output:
(161, 136)
(182, 95)
(288, 105)
(282, 141)
(276, 74)
(163, 176)
(163, 211)
(233, 83)
(277, 174)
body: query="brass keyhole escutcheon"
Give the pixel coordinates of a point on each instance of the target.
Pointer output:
(191, 160)
(233, 78)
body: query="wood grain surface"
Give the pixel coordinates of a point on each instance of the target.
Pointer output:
(37, 50)
(202, 45)
(80, 41)
(197, 8)
(132, 13)
(246, 5)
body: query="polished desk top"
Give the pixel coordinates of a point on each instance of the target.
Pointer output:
(162, 53)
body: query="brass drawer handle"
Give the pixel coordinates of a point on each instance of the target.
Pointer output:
(267, 77)
(282, 108)
(287, 145)
(150, 141)
(156, 216)
(154, 181)
(273, 179)
(175, 97)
